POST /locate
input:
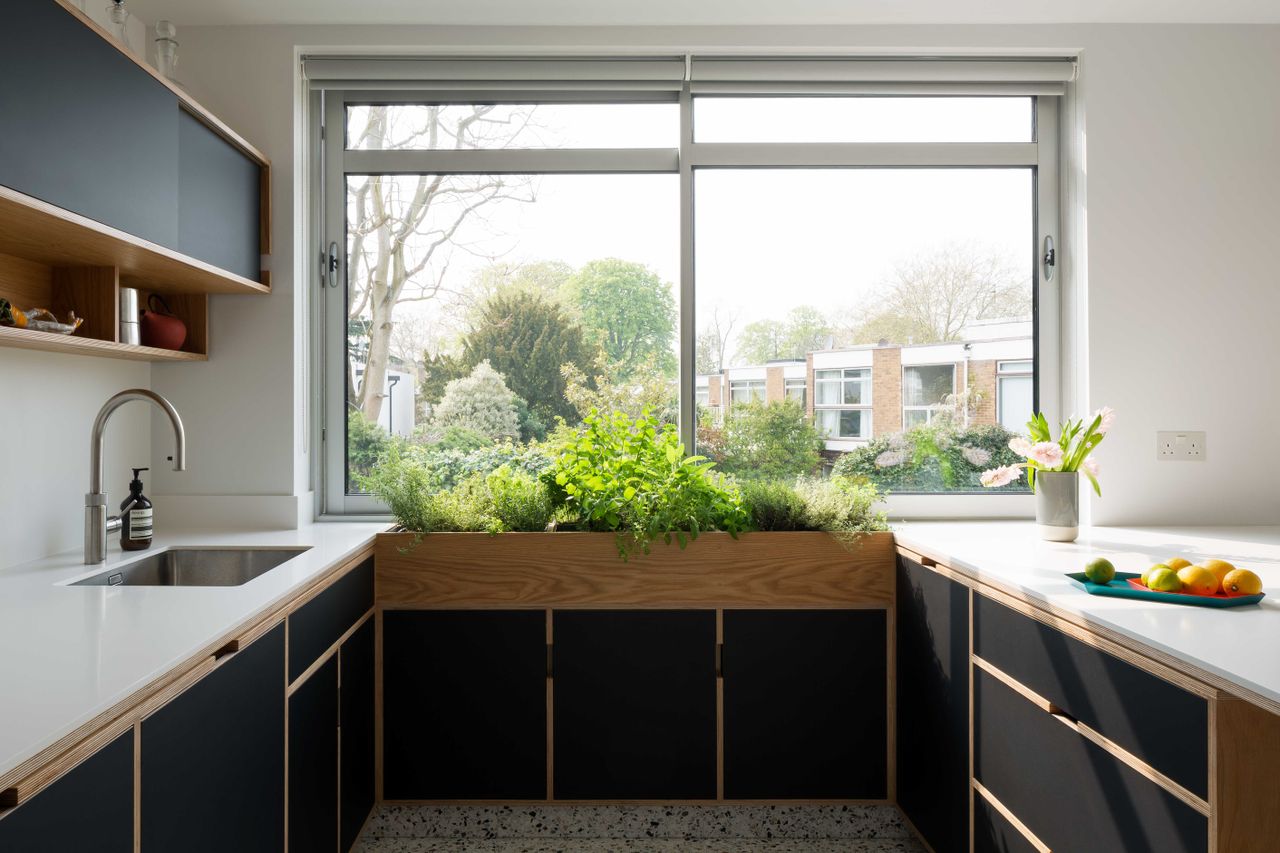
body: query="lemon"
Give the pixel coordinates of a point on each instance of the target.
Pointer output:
(1164, 579)
(1146, 576)
(1176, 563)
(1198, 580)
(1220, 569)
(1241, 582)
(1100, 571)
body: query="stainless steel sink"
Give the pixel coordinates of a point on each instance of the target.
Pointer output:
(195, 567)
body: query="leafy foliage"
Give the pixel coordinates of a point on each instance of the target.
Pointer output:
(628, 311)
(526, 337)
(631, 476)
(840, 506)
(448, 467)
(437, 372)
(480, 403)
(768, 441)
(366, 444)
(930, 458)
(774, 505)
(805, 328)
(645, 388)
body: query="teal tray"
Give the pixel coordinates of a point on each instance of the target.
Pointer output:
(1121, 587)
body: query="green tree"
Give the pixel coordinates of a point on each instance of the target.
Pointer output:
(438, 371)
(527, 338)
(761, 341)
(627, 310)
(646, 390)
(807, 329)
(480, 403)
(503, 278)
(770, 441)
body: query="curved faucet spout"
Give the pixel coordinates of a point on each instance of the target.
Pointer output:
(95, 502)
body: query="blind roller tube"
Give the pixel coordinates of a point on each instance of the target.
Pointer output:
(662, 74)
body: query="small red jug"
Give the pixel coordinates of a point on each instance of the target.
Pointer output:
(160, 328)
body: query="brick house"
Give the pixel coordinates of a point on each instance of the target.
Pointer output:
(860, 393)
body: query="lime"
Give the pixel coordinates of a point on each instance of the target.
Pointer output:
(1147, 574)
(1164, 580)
(1100, 571)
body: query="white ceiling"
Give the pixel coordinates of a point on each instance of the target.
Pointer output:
(704, 12)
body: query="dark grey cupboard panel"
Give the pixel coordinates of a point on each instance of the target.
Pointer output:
(213, 764)
(357, 718)
(1068, 791)
(993, 834)
(218, 200)
(83, 127)
(932, 624)
(635, 704)
(1157, 721)
(313, 760)
(322, 621)
(464, 704)
(805, 710)
(88, 808)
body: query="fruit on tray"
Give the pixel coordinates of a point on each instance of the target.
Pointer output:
(1147, 574)
(1164, 579)
(1220, 569)
(1176, 563)
(1198, 580)
(1100, 571)
(1241, 582)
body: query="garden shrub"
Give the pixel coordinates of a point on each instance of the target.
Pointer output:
(931, 458)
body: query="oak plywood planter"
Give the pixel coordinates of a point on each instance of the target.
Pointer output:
(773, 569)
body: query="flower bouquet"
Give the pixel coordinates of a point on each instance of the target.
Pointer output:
(1069, 452)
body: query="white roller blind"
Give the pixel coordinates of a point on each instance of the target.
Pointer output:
(485, 74)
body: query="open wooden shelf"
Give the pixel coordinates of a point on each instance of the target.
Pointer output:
(75, 345)
(38, 231)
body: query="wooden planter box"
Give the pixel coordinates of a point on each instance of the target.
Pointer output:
(518, 570)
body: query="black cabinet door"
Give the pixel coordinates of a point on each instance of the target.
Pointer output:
(88, 808)
(932, 622)
(464, 704)
(317, 625)
(805, 711)
(634, 704)
(313, 761)
(213, 759)
(357, 716)
(218, 200)
(83, 127)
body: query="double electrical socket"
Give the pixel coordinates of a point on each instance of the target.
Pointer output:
(1180, 445)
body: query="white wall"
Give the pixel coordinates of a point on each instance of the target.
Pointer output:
(1183, 180)
(46, 409)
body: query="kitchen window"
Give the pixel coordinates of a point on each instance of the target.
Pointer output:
(1015, 394)
(465, 205)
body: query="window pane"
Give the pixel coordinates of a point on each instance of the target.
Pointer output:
(1015, 366)
(865, 119)
(928, 385)
(1015, 398)
(507, 298)
(859, 271)
(512, 126)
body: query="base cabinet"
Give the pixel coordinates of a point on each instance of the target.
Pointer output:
(212, 765)
(464, 705)
(313, 760)
(634, 704)
(90, 807)
(356, 727)
(932, 726)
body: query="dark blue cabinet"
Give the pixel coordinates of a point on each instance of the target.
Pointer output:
(218, 200)
(313, 760)
(88, 808)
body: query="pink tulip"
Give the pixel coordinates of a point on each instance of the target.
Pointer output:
(1046, 454)
(1002, 476)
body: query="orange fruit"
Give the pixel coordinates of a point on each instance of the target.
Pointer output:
(1176, 563)
(1241, 582)
(1220, 568)
(1198, 580)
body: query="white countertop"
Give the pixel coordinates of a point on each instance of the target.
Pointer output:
(1238, 645)
(68, 653)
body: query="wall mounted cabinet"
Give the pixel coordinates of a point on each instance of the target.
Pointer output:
(112, 177)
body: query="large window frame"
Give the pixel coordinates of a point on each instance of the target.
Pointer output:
(331, 162)
(864, 404)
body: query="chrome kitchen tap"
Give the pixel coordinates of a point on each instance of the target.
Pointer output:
(96, 522)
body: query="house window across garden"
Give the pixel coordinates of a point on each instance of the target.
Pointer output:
(511, 240)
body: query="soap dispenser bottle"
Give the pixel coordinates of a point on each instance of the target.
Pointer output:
(135, 516)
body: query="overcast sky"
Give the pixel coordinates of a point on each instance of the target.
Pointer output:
(768, 240)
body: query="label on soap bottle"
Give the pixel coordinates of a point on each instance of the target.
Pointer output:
(140, 524)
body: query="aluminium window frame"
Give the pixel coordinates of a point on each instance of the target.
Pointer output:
(930, 409)
(1041, 155)
(866, 406)
(751, 384)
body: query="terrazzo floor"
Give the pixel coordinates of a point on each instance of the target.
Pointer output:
(657, 829)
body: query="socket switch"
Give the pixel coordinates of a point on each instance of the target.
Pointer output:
(1180, 445)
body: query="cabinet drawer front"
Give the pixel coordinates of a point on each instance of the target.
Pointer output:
(992, 833)
(1160, 723)
(322, 621)
(805, 712)
(1069, 792)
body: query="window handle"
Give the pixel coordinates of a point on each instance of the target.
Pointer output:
(330, 262)
(1050, 259)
